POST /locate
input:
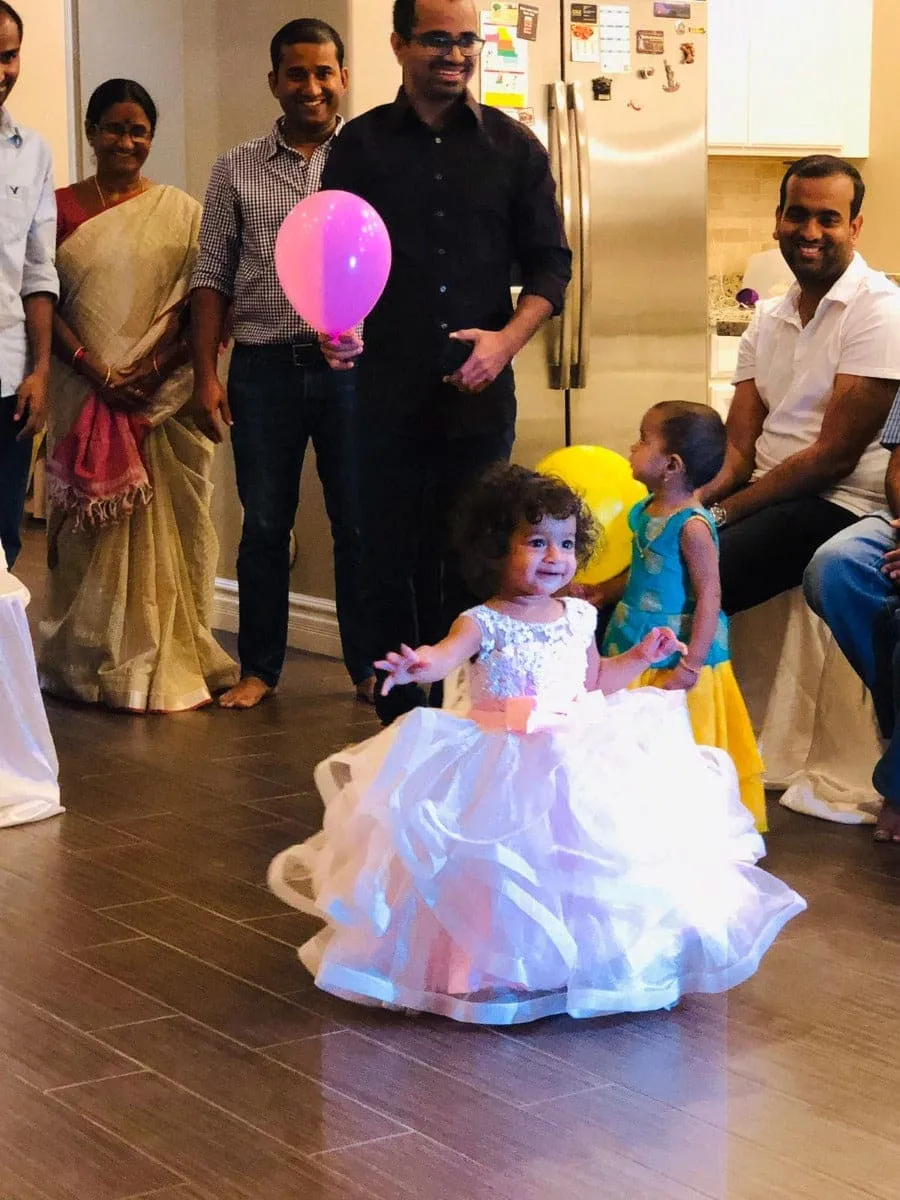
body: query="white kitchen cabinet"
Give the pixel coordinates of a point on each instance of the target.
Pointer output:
(789, 76)
(729, 72)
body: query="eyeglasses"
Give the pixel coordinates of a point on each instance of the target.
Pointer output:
(438, 43)
(118, 129)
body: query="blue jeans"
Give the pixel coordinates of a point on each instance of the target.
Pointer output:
(280, 398)
(15, 463)
(844, 585)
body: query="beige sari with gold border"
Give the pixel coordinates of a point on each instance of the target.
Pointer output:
(129, 604)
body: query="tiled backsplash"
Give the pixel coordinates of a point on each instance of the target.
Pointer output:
(743, 196)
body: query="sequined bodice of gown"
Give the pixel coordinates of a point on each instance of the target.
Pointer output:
(519, 658)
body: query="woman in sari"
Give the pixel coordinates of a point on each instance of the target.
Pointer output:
(132, 550)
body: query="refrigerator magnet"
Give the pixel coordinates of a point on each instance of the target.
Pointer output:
(585, 41)
(677, 11)
(651, 41)
(527, 28)
(687, 53)
(671, 84)
(504, 14)
(602, 87)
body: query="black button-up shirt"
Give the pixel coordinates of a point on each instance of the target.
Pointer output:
(466, 206)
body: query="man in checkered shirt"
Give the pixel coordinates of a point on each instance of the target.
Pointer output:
(281, 392)
(853, 583)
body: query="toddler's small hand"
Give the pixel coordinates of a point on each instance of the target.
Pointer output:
(401, 668)
(680, 680)
(658, 644)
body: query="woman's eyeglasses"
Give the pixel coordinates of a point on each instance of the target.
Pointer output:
(118, 129)
(442, 44)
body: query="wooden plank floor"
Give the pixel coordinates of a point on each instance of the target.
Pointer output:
(158, 1037)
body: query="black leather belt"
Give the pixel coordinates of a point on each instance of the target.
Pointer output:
(297, 354)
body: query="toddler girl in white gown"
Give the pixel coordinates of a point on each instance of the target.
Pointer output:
(563, 845)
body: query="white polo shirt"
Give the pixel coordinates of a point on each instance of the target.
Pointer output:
(27, 241)
(856, 331)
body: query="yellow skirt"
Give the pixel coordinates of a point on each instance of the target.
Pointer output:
(719, 718)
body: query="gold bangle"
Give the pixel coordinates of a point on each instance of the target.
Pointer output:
(156, 366)
(108, 377)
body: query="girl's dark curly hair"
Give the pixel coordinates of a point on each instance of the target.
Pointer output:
(506, 497)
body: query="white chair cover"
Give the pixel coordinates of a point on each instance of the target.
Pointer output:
(29, 772)
(814, 718)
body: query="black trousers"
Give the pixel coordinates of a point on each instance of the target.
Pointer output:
(767, 553)
(413, 587)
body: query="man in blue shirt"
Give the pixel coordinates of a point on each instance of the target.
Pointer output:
(28, 289)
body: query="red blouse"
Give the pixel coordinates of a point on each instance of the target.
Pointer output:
(70, 212)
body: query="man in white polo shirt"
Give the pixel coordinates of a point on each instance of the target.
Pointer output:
(28, 289)
(817, 373)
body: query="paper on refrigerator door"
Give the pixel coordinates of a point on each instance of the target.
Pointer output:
(615, 38)
(504, 65)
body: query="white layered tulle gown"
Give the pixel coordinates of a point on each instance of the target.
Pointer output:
(549, 851)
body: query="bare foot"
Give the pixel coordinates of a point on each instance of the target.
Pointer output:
(365, 690)
(887, 828)
(246, 694)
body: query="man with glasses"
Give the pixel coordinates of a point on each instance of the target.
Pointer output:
(28, 289)
(281, 393)
(467, 196)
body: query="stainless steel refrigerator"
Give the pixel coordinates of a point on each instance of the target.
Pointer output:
(629, 155)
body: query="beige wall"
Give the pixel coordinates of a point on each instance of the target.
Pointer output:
(374, 73)
(42, 97)
(743, 192)
(880, 241)
(142, 41)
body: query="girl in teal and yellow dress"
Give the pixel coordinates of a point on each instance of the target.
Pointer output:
(674, 581)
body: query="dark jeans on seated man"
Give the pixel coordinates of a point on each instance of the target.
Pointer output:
(886, 697)
(281, 397)
(767, 553)
(15, 463)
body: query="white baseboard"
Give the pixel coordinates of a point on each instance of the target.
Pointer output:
(312, 621)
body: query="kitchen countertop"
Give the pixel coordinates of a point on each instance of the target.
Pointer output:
(730, 320)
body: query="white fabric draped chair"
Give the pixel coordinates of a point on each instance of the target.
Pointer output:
(29, 772)
(814, 718)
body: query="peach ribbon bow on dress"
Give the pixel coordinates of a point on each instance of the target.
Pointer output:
(520, 714)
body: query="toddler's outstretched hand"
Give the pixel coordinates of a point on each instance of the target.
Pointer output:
(658, 644)
(405, 667)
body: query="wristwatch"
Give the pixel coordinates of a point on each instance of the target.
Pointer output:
(718, 514)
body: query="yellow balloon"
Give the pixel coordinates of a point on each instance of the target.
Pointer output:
(604, 479)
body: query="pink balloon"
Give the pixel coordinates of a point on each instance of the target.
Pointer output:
(333, 258)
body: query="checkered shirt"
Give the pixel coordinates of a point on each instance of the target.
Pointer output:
(251, 190)
(890, 435)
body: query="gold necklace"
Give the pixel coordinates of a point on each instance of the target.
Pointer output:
(103, 201)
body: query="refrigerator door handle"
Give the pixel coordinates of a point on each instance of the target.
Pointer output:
(562, 164)
(581, 342)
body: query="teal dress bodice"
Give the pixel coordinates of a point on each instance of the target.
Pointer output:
(659, 586)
